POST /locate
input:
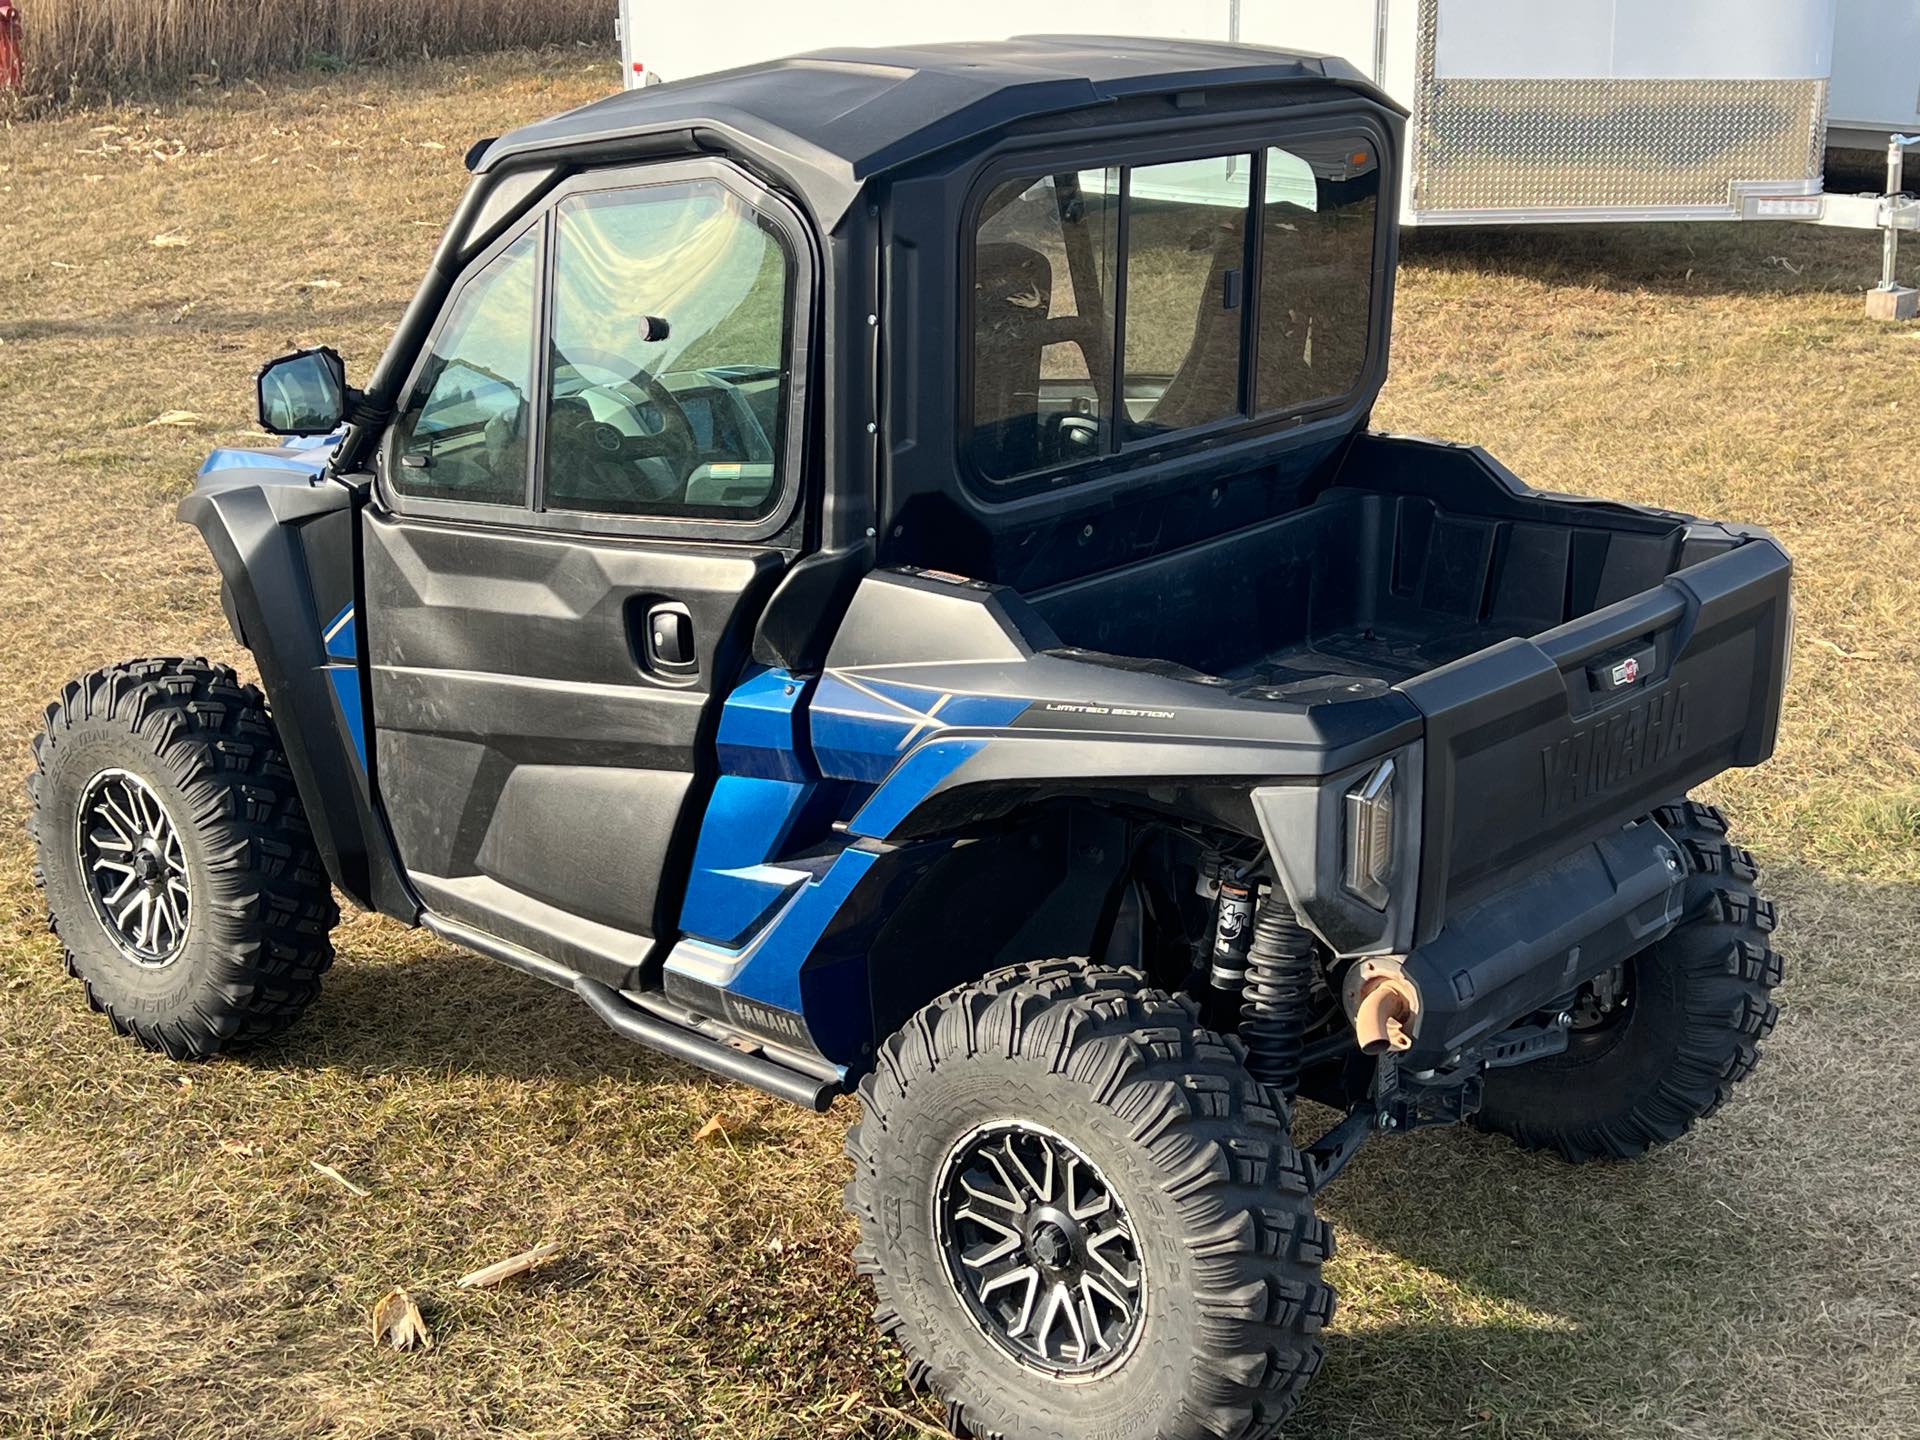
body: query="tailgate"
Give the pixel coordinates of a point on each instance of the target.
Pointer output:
(1534, 747)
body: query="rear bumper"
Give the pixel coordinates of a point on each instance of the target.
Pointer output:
(1524, 947)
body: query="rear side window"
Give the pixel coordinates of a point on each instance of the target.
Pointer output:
(464, 432)
(1186, 286)
(668, 374)
(1043, 332)
(1316, 295)
(1227, 286)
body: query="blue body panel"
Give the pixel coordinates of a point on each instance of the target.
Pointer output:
(766, 968)
(770, 872)
(765, 786)
(308, 456)
(911, 781)
(342, 641)
(761, 728)
(863, 727)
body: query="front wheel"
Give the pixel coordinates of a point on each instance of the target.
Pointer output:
(180, 873)
(1672, 1034)
(1083, 1218)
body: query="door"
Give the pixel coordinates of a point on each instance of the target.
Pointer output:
(1876, 72)
(581, 508)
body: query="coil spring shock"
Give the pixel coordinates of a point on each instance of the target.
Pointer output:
(1277, 1000)
(1226, 964)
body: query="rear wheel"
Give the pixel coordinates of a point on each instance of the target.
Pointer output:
(180, 873)
(1663, 1042)
(1083, 1217)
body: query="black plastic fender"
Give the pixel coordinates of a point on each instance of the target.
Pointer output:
(287, 546)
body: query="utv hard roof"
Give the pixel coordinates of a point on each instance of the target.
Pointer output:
(831, 120)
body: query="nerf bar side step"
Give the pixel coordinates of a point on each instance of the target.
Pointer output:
(621, 1015)
(697, 1049)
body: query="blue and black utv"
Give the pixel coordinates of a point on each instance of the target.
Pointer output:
(872, 571)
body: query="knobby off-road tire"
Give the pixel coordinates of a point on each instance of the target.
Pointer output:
(1138, 1104)
(1699, 1002)
(176, 760)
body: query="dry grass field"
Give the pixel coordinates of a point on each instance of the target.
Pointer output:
(109, 48)
(171, 1265)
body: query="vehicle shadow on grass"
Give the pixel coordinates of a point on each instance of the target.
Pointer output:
(1750, 1279)
(1484, 1290)
(444, 1009)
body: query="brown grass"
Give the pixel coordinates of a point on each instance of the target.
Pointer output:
(130, 47)
(171, 1266)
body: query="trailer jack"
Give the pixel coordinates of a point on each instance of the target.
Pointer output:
(1890, 300)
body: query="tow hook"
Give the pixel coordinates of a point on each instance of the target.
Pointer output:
(1397, 1102)
(1328, 1156)
(1383, 1004)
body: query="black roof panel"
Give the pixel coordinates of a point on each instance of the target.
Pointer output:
(835, 118)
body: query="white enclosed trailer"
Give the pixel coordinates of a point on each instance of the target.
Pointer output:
(1590, 109)
(1876, 73)
(1522, 111)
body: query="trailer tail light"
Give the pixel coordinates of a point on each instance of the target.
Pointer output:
(1370, 836)
(1783, 207)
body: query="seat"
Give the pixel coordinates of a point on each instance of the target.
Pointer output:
(1207, 384)
(1012, 298)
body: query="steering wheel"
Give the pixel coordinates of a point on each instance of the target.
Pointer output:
(674, 442)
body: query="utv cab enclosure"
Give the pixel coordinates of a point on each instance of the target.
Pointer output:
(872, 570)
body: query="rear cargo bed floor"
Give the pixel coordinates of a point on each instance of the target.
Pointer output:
(1387, 653)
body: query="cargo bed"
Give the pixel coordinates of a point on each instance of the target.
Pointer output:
(1357, 585)
(1577, 663)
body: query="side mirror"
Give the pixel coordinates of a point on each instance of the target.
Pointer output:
(304, 393)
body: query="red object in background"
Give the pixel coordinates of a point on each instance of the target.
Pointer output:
(10, 69)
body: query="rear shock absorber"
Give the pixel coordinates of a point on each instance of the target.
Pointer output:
(1227, 965)
(1277, 1002)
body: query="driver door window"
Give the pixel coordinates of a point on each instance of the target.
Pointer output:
(668, 374)
(463, 434)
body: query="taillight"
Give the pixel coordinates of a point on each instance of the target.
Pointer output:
(1369, 807)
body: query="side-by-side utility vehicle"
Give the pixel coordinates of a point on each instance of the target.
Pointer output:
(873, 572)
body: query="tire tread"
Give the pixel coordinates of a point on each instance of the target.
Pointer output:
(270, 908)
(1730, 971)
(1229, 1166)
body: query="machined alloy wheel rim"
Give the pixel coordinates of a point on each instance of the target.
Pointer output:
(1039, 1248)
(134, 868)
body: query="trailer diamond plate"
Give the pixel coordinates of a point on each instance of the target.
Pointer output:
(1582, 144)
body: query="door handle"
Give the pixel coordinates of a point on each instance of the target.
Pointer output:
(668, 640)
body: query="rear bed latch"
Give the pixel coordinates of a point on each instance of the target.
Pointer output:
(1621, 671)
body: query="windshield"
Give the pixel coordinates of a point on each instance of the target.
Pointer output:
(1150, 266)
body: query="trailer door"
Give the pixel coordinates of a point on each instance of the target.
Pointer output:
(1876, 72)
